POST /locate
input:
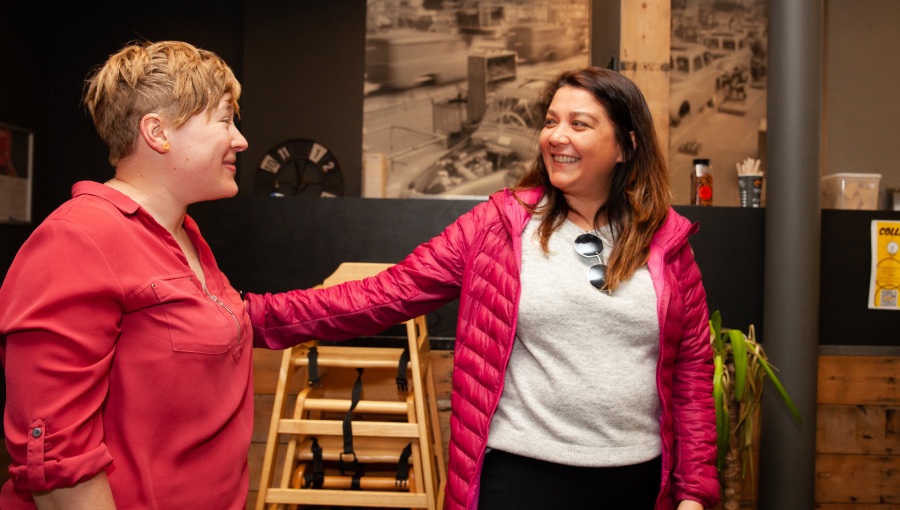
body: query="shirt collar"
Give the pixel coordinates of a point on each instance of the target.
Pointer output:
(115, 197)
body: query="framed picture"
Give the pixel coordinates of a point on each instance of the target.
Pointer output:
(451, 106)
(16, 162)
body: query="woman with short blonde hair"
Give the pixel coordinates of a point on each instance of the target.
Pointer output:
(127, 352)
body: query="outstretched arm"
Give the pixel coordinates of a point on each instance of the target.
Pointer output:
(424, 281)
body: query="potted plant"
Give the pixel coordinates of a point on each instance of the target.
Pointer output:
(741, 366)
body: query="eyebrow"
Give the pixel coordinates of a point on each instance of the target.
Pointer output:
(575, 113)
(586, 114)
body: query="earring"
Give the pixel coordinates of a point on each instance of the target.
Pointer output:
(166, 146)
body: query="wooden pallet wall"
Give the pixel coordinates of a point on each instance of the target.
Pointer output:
(858, 433)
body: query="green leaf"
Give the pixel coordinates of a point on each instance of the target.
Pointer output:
(739, 352)
(781, 391)
(715, 324)
(722, 418)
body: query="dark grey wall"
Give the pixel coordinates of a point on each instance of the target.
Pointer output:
(606, 30)
(49, 52)
(304, 66)
(862, 73)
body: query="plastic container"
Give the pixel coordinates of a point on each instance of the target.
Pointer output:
(850, 191)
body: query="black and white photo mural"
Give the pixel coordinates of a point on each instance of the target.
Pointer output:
(717, 94)
(451, 90)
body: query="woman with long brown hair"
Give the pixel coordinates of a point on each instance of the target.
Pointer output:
(582, 367)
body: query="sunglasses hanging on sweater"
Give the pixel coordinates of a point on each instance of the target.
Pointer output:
(590, 245)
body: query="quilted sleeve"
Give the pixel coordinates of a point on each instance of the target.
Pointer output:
(692, 401)
(425, 280)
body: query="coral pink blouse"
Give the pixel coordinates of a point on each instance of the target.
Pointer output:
(117, 358)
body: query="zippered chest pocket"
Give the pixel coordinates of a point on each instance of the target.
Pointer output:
(197, 322)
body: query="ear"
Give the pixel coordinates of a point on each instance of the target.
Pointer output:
(152, 132)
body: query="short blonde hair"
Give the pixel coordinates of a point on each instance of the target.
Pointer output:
(171, 78)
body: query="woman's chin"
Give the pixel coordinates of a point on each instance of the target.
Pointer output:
(561, 181)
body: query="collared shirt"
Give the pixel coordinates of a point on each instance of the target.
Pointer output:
(117, 358)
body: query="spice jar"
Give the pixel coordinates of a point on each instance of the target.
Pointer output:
(701, 183)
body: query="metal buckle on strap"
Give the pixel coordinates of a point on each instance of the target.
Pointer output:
(313, 368)
(402, 383)
(348, 467)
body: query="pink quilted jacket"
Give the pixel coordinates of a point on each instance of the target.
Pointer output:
(478, 259)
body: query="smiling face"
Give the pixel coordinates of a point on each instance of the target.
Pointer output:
(579, 147)
(203, 152)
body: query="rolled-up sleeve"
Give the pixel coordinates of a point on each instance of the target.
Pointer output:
(62, 309)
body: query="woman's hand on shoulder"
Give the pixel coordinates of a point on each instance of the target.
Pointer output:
(687, 504)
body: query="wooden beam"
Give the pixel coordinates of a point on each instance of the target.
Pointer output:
(346, 498)
(266, 364)
(360, 428)
(644, 53)
(857, 478)
(858, 429)
(855, 506)
(859, 380)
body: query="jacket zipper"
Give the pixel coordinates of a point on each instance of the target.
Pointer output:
(236, 321)
(480, 462)
(666, 256)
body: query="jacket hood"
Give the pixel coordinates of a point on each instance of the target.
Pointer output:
(674, 233)
(514, 216)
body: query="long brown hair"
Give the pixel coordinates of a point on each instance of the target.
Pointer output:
(639, 198)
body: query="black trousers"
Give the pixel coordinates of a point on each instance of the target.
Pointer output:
(513, 482)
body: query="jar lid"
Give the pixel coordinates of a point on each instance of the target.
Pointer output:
(701, 162)
(851, 175)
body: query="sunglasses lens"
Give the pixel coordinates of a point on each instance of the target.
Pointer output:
(588, 245)
(596, 274)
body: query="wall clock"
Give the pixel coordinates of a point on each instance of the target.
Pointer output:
(300, 167)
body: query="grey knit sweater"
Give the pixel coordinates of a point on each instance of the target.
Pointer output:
(580, 388)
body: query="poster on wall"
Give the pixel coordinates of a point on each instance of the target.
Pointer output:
(884, 283)
(16, 146)
(452, 89)
(717, 91)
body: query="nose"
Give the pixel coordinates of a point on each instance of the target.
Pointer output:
(558, 136)
(238, 142)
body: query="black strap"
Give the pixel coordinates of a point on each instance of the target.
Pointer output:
(402, 384)
(317, 477)
(313, 368)
(402, 480)
(352, 465)
(354, 482)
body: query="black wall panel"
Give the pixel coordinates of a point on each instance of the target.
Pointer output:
(266, 244)
(844, 315)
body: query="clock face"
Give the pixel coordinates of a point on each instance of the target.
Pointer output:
(300, 167)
